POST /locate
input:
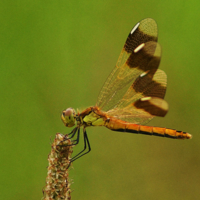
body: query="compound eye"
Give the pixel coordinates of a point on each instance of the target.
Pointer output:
(68, 112)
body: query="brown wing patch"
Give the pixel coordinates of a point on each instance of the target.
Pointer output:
(147, 58)
(152, 105)
(148, 86)
(142, 32)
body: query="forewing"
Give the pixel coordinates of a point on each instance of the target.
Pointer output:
(143, 100)
(134, 60)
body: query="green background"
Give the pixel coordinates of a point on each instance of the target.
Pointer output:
(57, 54)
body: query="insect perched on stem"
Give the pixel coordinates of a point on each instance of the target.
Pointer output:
(132, 94)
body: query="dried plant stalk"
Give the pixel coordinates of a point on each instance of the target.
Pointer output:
(57, 181)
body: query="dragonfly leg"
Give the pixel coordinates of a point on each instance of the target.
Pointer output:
(72, 133)
(86, 144)
(76, 141)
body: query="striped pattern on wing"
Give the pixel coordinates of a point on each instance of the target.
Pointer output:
(130, 64)
(143, 100)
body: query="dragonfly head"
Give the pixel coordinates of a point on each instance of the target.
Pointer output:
(68, 117)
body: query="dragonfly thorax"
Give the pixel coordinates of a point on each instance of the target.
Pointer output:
(69, 117)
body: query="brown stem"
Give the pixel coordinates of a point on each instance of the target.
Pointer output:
(57, 181)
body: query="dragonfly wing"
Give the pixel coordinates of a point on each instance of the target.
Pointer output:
(143, 100)
(139, 50)
(147, 84)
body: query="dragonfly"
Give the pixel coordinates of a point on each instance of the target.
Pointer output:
(133, 93)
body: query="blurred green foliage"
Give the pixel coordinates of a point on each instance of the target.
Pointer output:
(57, 54)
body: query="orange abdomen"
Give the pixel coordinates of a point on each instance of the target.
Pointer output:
(123, 126)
